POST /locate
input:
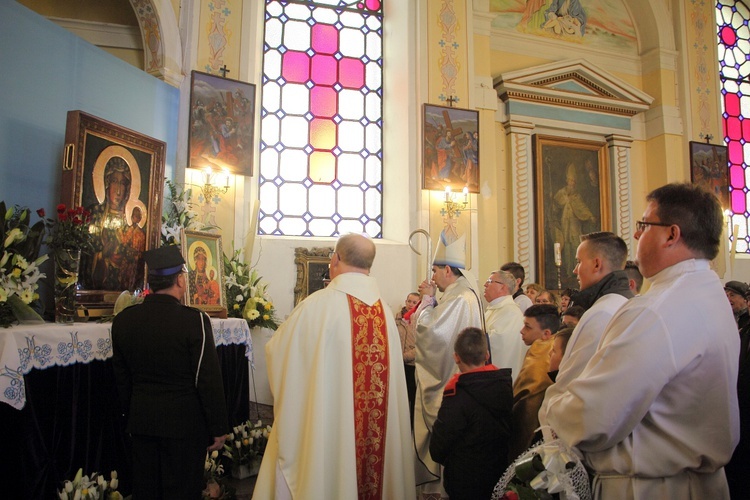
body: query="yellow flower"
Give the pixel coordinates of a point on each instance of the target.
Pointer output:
(266, 317)
(268, 306)
(236, 307)
(27, 296)
(15, 273)
(3, 295)
(14, 235)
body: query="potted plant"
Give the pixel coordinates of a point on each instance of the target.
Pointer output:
(245, 446)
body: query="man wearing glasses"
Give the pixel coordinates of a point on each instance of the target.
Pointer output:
(655, 410)
(504, 321)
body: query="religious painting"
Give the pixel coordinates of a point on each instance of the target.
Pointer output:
(582, 22)
(222, 121)
(203, 254)
(117, 174)
(312, 271)
(571, 198)
(709, 169)
(450, 149)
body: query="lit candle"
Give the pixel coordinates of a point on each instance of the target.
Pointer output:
(466, 194)
(226, 176)
(447, 193)
(558, 255)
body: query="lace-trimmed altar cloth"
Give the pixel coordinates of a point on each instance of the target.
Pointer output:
(36, 347)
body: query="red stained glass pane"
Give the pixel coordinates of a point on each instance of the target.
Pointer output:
(325, 39)
(732, 104)
(734, 128)
(323, 70)
(734, 154)
(728, 35)
(295, 67)
(351, 73)
(323, 101)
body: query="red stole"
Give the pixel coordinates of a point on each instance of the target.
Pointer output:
(370, 374)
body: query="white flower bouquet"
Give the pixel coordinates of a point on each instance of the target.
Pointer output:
(247, 295)
(246, 442)
(94, 487)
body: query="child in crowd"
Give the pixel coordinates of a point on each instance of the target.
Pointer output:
(471, 433)
(540, 322)
(559, 343)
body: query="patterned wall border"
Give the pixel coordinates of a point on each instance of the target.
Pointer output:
(448, 62)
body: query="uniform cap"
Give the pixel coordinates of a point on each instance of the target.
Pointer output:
(164, 261)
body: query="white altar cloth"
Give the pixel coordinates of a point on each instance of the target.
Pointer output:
(39, 346)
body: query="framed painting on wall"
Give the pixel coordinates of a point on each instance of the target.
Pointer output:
(222, 121)
(117, 174)
(709, 169)
(312, 271)
(203, 254)
(450, 149)
(571, 199)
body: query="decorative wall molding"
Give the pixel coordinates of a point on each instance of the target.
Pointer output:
(619, 160)
(522, 193)
(117, 36)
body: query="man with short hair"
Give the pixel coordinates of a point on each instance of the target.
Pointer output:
(572, 316)
(655, 410)
(635, 278)
(341, 414)
(169, 382)
(600, 263)
(518, 272)
(736, 292)
(438, 325)
(504, 320)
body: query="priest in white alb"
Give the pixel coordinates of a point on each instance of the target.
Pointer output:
(341, 413)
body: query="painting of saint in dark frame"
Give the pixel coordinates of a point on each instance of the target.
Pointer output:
(222, 121)
(117, 174)
(450, 149)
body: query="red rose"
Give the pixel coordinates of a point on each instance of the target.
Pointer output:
(63, 217)
(510, 495)
(77, 221)
(61, 208)
(40, 212)
(79, 210)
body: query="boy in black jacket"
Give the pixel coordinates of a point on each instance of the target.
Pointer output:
(471, 433)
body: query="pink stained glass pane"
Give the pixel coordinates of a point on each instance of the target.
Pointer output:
(323, 70)
(351, 73)
(323, 101)
(728, 35)
(734, 128)
(738, 201)
(732, 104)
(734, 152)
(325, 39)
(295, 67)
(737, 177)
(746, 130)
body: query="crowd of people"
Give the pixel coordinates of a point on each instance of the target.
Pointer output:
(440, 399)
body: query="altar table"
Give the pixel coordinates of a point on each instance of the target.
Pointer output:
(59, 409)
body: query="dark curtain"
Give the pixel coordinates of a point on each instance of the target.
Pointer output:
(72, 420)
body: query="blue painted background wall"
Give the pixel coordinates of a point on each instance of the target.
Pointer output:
(46, 72)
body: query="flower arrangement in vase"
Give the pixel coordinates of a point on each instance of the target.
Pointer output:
(19, 264)
(94, 487)
(178, 215)
(69, 236)
(213, 475)
(245, 446)
(247, 294)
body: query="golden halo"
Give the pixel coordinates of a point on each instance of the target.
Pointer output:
(129, 206)
(191, 255)
(101, 162)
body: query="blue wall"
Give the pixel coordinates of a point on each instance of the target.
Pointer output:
(46, 71)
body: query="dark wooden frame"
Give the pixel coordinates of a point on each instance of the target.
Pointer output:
(89, 143)
(212, 241)
(312, 267)
(441, 118)
(221, 98)
(552, 159)
(709, 169)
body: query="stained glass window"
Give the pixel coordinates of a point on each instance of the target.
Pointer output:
(321, 118)
(734, 62)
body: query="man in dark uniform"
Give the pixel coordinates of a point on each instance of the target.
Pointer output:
(169, 383)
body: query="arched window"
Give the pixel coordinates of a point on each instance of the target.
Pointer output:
(734, 69)
(321, 118)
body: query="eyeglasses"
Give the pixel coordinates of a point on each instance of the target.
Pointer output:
(493, 281)
(640, 225)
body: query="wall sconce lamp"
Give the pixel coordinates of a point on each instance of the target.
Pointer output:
(452, 206)
(209, 188)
